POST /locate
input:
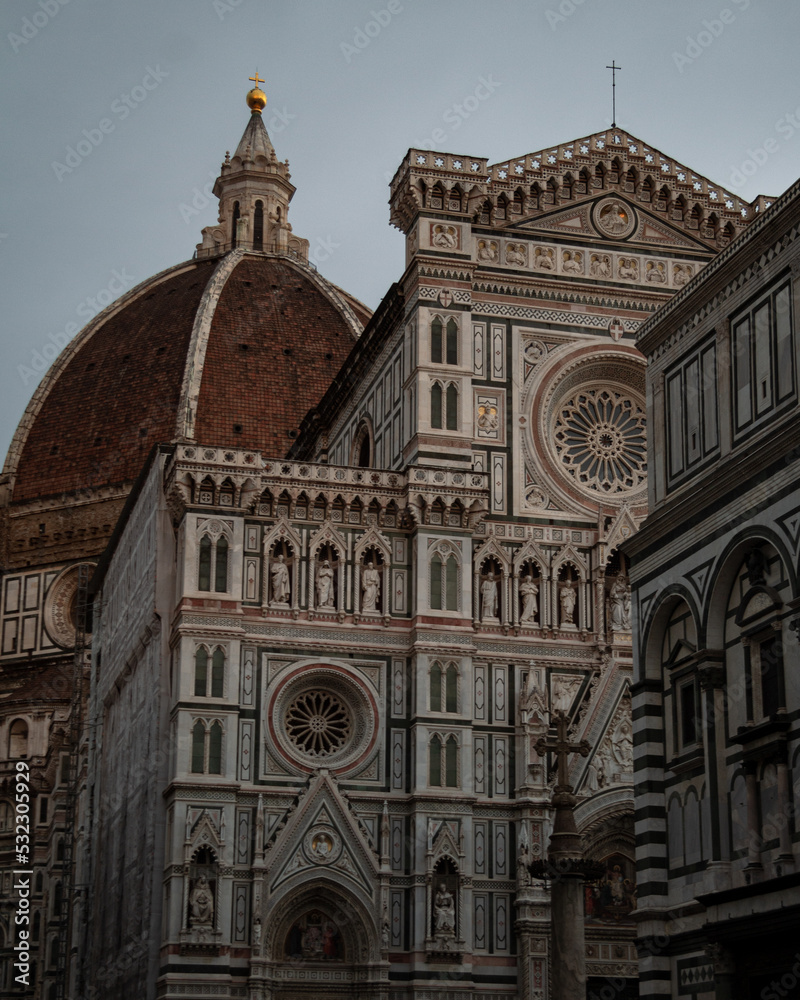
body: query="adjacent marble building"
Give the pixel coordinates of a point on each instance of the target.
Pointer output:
(716, 601)
(346, 565)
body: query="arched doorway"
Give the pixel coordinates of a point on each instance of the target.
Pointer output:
(322, 937)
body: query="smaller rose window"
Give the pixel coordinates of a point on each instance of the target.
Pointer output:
(318, 723)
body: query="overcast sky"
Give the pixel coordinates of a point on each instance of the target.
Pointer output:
(351, 85)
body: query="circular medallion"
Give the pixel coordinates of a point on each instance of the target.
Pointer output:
(60, 608)
(614, 218)
(322, 845)
(599, 435)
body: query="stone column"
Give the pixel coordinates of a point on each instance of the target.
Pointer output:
(753, 828)
(724, 971)
(568, 967)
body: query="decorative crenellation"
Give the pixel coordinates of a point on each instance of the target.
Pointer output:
(504, 193)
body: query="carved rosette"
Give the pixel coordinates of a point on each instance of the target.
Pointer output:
(60, 619)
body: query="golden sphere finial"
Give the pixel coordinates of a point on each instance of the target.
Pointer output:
(256, 98)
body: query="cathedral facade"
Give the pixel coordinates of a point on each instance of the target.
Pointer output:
(345, 566)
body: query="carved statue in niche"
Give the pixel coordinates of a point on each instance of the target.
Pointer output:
(279, 572)
(489, 596)
(444, 912)
(201, 904)
(656, 272)
(523, 860)
(371, 587)
(325, 597)
(572, 262)
(567, 598)
(529, 591)
(622, 745)
(620, 596)
(600, 266)
(487, 250)
(628, 268)
(543, 259)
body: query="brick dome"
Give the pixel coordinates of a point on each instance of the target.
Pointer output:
(232, 350)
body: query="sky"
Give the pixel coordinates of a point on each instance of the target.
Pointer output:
(118, 115)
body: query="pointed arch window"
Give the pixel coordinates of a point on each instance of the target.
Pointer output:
(18, 739)
(213, 564)
(436, 340)
(444, 582)
(236, 215)
(443, 761)
(258, 226)
(451, 407)
(443, 682)
(436, 687)
(206, 747)
(436, 406)
(209, 683)
(452, 342)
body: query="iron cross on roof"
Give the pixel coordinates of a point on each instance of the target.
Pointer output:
(561, 747)
(613, 67)
(256, 80)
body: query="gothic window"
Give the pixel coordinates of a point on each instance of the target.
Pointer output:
(436, 340)
(444, 582)
(762, 347)
(361, 453)
(451, 408)
(443, 687)
(60, 849)
(258, 226)
(452, 342)
(687, 713)
(6, 817)
(206, 748)
(37, 925)
(236, 214)
(213, 564)
(54, 952)
(209, 683)
(18, 740)
(58, 899)
(39, 884)
(443, 761)
(436, 406)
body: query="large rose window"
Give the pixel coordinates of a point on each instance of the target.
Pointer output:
(318, 723)
(599, 436)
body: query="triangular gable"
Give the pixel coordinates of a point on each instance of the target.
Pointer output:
(322, 838)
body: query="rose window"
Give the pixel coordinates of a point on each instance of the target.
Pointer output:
(318, 723)
(599, 436)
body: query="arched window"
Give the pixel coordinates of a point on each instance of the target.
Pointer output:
(6, 817)
(436, 406)
(451, 688)
(200, 672)
(435, 763)
(204, 572)
(37, 925)
(436, 687)
(54, 952)
(452, 408)
(451, 584)
(443, 762)
(221, 574)
(451, 762)
(236, 214)
(213, 564)
(18, 739)
(215, 749)
(452, 342)
(60, 849)
(258, 226)
(436, 340)
(217, 672)
(436, 586)
(198, 747)
(58, 898)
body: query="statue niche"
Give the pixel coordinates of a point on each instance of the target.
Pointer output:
(280, 579)
(201, 902)
(491, 577)
(326, 581)
(372, 596)
(444, 915)
(529, 595)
